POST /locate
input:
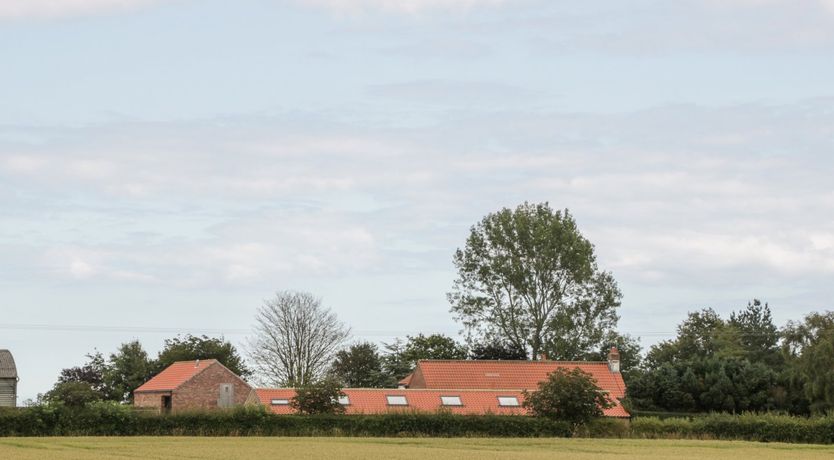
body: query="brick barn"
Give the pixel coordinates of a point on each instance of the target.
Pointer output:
(192, 385)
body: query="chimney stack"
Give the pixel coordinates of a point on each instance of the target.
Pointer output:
(614, 360)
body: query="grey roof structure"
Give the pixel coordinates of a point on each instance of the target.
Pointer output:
(8, 370)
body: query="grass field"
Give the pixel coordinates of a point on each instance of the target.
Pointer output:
(382, 448)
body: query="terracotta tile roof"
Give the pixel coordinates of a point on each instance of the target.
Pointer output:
(373, 401)
(175, 375)
(406, 380)
(520, 375)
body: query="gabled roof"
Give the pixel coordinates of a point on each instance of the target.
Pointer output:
(406, 381)
(374, 401)
(175, 375)
(8, 370)
(515, 375)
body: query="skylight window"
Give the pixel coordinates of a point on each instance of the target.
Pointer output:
(508, 401)
(280, 402)
(450, 401)
(397, 400)
(344, 400)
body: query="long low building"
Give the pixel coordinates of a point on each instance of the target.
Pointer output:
(358, 401)
(463, 387)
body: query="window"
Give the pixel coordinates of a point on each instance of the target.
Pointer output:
(450, 401)
(508, 401)
(280, 402)
(397, 400)
(344, 400)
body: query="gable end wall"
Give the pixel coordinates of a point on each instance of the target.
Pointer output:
(202, 391)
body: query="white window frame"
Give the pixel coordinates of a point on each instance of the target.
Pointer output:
(344, 400)
(452, 400)
(388, 399)
(280, 402)
(508, 401)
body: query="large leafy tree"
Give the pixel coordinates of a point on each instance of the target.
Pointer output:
(402, 355)
(496, 349)
(190, 347)
(360, 366)
(527, 276)
(715, 364)
(128, 368)
(809, 344)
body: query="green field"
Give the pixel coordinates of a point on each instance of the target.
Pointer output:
(382, 448)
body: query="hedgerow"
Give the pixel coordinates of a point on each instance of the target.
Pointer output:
(107, 419)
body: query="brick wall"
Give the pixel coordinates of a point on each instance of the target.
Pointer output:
(417, 379)
(203, 390)
(149, 400)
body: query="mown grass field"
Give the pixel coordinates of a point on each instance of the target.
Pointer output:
(386, 448)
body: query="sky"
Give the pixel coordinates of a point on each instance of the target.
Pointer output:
(166, 165)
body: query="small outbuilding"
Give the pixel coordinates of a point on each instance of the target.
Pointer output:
(8, 379)
(192, 385)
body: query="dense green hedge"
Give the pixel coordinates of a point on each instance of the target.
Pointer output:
(749, 427)
(113, 420)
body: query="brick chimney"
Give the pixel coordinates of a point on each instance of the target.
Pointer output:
(614, 360)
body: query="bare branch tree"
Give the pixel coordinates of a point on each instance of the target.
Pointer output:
(295, 339)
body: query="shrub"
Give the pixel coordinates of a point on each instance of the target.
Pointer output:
(321, 397)
(569, 395)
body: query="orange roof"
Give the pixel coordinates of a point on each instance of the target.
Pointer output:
(520, 375)
(374, 401)
(175, 375)
(406, 380)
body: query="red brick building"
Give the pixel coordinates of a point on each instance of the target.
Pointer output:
(462, 387)
(192, 385)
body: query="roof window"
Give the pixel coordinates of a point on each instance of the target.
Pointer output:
(344, 400)
(397, 400)
(508, 401)
(450, 401)
(280, 402)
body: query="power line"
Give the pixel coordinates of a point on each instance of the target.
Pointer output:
(166, 330)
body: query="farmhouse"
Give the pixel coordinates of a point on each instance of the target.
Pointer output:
(462, 387)
(456, 386)
(192, 385)
(8, 379)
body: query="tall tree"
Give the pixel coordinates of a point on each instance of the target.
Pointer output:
(189, 348)
(496, 349)
(295, 339)
(435, 346)
(394, 363)
(529, 277)
(92, 373)
(810, 347)
(128, 368)
(360, 366)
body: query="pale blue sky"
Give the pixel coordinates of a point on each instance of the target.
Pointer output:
(167, 164)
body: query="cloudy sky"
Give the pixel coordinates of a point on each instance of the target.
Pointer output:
(165, 165)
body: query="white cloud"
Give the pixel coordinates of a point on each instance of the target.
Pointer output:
(11, 9)
(400, 6)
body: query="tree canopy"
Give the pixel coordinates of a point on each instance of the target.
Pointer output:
(190, 348)
(295, 339)
(529, 277)
(360, 366)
